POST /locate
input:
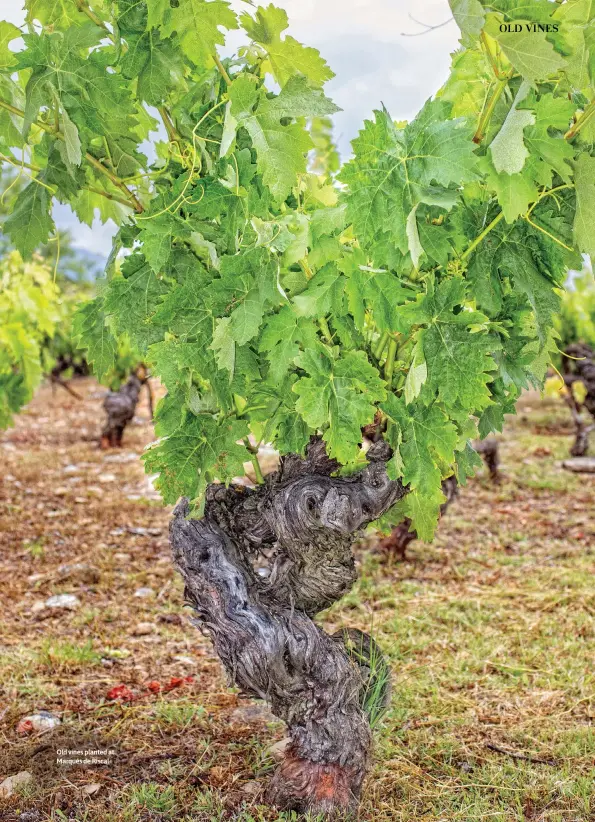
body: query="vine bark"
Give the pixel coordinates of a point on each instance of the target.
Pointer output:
(579, 366)
(302, 523)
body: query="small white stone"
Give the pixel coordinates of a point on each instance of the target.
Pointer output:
(68, 601)
(127, 457)
(185, 660)
(106, 477)
(11, 783)
(144, 592)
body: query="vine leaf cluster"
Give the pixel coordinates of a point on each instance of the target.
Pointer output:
(276, 294)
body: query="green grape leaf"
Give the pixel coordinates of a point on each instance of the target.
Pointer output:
(469, 16)
(421, 438)
(131, 301)
(281, 149)
(89, 204)
(282, 337)
(30, 223)
(515, 192)
(224, 345)
(338, 397)
(13, 395)
(584, 175)
(323, 294)
(25, 352)
(435, 242)
(91, 332)
(199, 451)
(508, 148)
(292, 433)
(183, 310)
(72, 141)
(156, 63)
(577, 21)
(491, 420)
(553, 150)
(60, 13)
(528, 51)
(327, 221)
(377, 290)
(516, 259)
(487, 286)
(467, 461)
(286, 57)
(196, 24)
(459, 365)
(393, 169)
(465, 87)
(157, 237)
(8, 33)
(245, 320)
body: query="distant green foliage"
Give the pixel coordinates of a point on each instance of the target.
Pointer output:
(29, 311)
(576, 321)
(270, 300)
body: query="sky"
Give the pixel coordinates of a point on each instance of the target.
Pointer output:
(365, 44)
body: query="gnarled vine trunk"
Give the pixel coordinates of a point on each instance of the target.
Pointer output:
(579, 366)
(324, 687)
(399, 538)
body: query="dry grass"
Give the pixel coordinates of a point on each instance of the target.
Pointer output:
(490, 631)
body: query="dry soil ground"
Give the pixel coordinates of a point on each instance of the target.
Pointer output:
(490, 631)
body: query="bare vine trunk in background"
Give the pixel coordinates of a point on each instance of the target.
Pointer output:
(120, 407)
(324, 687)
(399, 538)
(579, 366)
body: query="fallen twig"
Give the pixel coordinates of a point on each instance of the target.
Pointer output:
(524, 757)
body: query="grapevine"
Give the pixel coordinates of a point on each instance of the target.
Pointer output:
(29, 311)
(278, 306)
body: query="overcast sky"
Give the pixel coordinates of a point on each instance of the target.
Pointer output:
(363, 42)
